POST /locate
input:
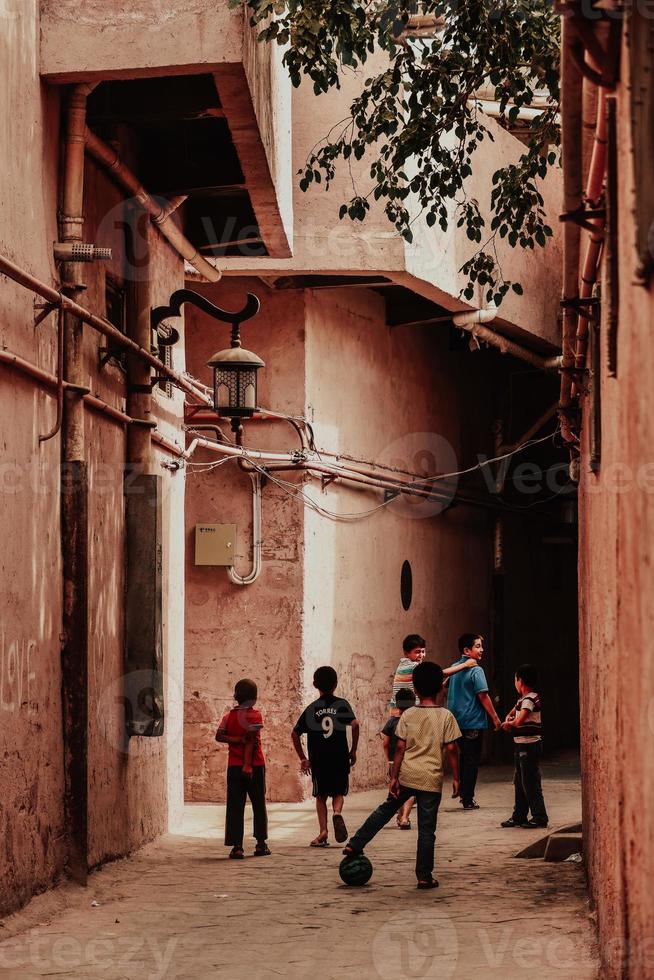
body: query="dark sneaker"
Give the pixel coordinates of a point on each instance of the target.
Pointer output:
(429, 883)
(470, 805)
(512, 823)
(533, 824)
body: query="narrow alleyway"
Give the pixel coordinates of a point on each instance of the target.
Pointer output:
(179, 910)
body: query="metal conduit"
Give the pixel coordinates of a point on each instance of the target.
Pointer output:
(96, 404)
(12, 271)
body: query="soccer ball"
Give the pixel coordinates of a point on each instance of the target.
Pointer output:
(355, 869)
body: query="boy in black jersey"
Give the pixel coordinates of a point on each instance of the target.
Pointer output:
(325, 723)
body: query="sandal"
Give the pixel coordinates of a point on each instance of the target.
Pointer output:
(430, 883)
(261, 850)
(237, 853)
(404, 826)
(340, 830)
(318, 842)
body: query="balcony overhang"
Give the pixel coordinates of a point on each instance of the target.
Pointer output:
(187, 87)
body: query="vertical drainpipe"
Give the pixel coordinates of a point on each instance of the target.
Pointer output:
(497, 586)
(143, 653)
(74, 509)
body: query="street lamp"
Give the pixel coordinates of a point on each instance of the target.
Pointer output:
(235, 379)
(235, 369)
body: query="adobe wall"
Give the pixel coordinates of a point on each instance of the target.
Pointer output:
(127, 793)
(330, 592)
(396, 396)
(617, 617)
(235, 631)
(31, 774)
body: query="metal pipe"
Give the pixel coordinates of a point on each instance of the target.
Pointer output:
(594, 184)
(139, 388)
(10, 269)
(507, 346)
(59, 379)
(74, 506)
(209, 427)
(584, 282)
(473, 321)
(161, 216)
(301, 462)
(526, 113)
(571, 106)
(255, 571)
(163, 443)
(466, 318)
(90, 401)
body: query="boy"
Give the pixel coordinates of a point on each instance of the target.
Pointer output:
(240, 729)
(422, 733)
(405, 698)
(325, 722)
(470, 703)
(414, 651)
(524, 721)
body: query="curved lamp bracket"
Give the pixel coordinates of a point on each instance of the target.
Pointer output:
(181, 296)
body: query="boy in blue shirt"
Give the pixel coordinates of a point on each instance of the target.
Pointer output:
(469, 701)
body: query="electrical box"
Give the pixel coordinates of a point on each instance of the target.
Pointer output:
(215, 544)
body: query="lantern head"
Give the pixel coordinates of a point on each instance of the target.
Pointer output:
(235, 381)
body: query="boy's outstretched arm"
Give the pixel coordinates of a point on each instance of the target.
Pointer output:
(453, 755)
(355, 741)
(448, 671)
(489, 707)
(400, 749)
(305, 765)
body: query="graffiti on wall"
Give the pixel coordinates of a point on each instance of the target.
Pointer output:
(16, 673)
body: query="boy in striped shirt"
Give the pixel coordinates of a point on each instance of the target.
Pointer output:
(414, 650)
(524, 721)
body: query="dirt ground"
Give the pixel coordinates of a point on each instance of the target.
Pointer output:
(179, 910)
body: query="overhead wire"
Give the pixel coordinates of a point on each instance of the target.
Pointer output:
(292, 490)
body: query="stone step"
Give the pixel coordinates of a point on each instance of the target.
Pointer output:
(557, 842)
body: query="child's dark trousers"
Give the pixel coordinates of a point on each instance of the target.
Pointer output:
(428, 804)
(238, 789)
(526, 780)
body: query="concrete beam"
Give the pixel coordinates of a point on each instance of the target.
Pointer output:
(236, 100)
(100, 40)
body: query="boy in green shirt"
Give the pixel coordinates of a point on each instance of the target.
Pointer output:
(422, 732)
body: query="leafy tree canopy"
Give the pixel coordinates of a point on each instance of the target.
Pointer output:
(419, 119)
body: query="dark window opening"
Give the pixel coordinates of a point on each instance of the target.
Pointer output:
(406, 585)
(115, 313)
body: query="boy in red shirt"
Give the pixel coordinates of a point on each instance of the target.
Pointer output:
(241, 728)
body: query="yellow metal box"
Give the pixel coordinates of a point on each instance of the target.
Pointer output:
(215, 544)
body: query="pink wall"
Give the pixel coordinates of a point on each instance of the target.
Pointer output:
(617, 620)
(128, 796)
(253, 631)
(329, 592)
(127, 784)
(31, 775)
(395, 395)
